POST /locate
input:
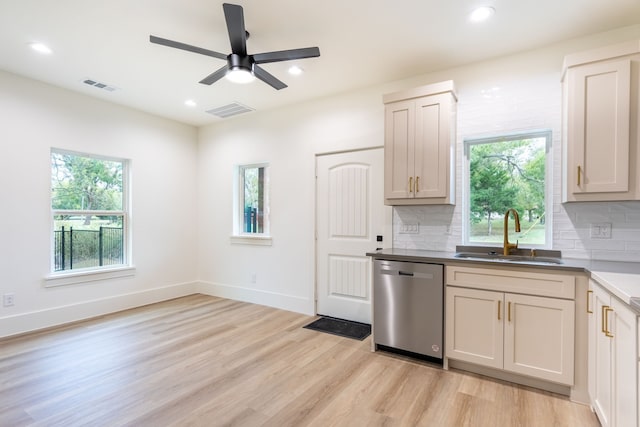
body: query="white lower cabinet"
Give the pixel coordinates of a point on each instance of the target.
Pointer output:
(538, 339)
(474, 330)
(613, 359)
(526, 334)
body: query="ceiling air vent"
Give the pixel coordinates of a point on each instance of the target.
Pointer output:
(229, 110)
(99, 85)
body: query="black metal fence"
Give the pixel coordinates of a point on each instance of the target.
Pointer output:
(87, 248)
(253, 221)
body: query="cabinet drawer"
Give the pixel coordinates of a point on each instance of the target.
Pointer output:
(520, 282)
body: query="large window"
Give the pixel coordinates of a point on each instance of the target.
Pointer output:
(252, 200)
(89, 211)
(504, 172)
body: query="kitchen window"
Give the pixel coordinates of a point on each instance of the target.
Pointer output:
(89, 209)
(251, 225)
(503, 172)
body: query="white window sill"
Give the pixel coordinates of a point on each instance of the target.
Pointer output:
(84, 276)
(251, 240)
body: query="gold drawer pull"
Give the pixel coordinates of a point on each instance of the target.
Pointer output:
(417, 183)
(499, 308)
(410, 184)
(509, 312)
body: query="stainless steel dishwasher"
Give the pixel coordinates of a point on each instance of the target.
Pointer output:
(408, 306)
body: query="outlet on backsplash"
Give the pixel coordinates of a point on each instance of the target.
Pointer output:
(600, 231)
(410, 228)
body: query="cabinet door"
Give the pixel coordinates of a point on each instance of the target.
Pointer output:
(399, 150)
(592, 336)
(474, 331)
(432, 145)
(598, 128)
(601, 399)
(622, 325)
(539, 337)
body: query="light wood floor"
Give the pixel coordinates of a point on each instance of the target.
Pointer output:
(206, 361)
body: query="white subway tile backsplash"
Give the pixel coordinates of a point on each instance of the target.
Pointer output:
(516, 104)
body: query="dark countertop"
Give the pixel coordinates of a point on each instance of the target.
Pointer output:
(620, 278)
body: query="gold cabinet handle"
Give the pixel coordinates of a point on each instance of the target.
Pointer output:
(499, 308)
(579, 173)
(410, 184)
(417, 183)
(589, 293)
(604, 328)
(509, 312)
(607, 332)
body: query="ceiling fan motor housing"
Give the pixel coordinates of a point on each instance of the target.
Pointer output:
(239, 62)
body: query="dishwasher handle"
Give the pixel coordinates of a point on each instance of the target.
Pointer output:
(408, 274)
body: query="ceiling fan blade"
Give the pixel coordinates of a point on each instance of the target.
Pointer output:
(235, 25)
(268, 78)
(286, 55)
(188, 47)
(215, 76)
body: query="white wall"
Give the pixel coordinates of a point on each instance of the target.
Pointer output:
(288, 140)
(528, 97)
(36, 117)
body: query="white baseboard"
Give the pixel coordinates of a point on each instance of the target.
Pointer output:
(257, 296)
(55, 316)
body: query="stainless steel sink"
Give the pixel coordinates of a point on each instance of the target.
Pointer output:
(498, 257)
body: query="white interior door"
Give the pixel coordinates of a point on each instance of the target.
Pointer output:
(350, 214)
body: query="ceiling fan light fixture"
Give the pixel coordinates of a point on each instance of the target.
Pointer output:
(240, 75)
(239, 69)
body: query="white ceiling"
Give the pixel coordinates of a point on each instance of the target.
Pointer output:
(362, 43)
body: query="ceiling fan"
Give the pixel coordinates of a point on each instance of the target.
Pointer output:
(241, 67)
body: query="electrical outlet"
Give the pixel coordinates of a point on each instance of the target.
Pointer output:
(8, 300)
(410, 228)
(600, 230)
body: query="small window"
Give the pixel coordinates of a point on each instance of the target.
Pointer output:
(89, 211)
(252, 217)
(504, 172)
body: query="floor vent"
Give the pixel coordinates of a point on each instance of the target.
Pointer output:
(99, 85)
(229, 110)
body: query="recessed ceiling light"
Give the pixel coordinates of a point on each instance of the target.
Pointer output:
(295, 70)
(190, 103)
(481, 13)
(41, 48)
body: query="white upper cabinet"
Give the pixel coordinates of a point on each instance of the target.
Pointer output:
(600, 131)
(420, 145)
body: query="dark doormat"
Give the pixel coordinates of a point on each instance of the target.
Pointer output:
(341, 327)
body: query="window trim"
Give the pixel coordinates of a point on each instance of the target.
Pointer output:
(238, 236)
(73, 276)
(63, 278)
(548, 192)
